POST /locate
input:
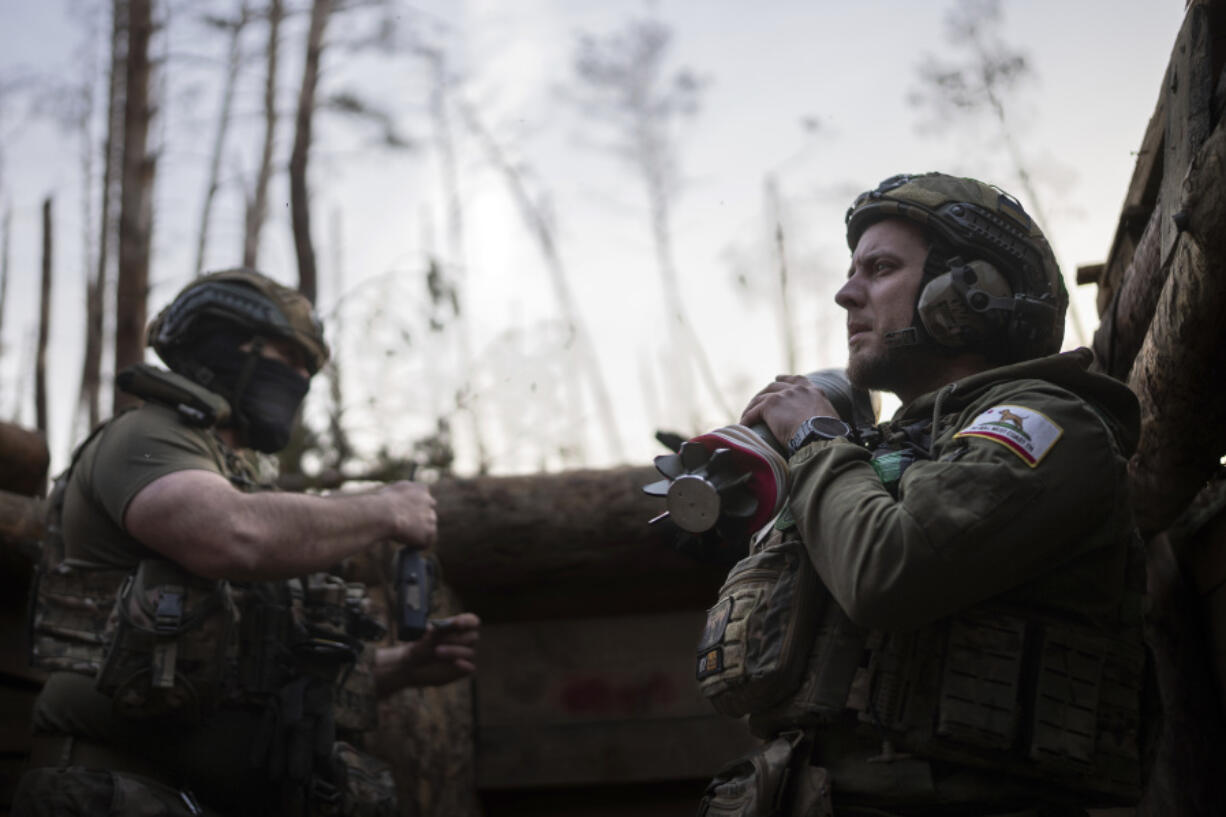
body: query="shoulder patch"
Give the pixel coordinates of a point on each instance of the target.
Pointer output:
(1028, 433)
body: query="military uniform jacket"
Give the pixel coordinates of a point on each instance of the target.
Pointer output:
(984, 548)
(1022, 495)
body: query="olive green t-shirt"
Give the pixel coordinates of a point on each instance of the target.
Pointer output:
(135, 449)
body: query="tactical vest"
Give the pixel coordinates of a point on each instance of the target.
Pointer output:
(1033, 695)
(165, 644)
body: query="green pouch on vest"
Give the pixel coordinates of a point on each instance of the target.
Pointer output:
(170, 641)
(757, 637)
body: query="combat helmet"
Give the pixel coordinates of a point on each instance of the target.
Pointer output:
(241, 297)
(991, 281)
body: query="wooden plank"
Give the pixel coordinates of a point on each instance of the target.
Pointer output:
(1089, 273)
(597, 700)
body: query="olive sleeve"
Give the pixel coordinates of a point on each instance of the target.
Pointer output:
(969, 524)
(144, 445)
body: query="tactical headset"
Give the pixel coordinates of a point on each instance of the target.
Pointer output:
(990, 281)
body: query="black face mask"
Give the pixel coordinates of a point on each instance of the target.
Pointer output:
(264, 402)
(267, 407)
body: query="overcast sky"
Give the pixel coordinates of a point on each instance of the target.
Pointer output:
(812, 94)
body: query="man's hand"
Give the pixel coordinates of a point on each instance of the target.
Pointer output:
(786, 403)
(446, 653)
(416, 522)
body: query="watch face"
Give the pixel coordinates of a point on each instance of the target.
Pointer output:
(819, 428)
(829, 427)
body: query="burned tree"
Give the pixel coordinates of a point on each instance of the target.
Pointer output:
(621, 80)
(257, 201)
(533, 211)
(234, 59)
(300, 206)
(136, 200)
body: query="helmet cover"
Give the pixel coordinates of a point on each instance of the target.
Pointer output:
(977, 221)
(247, 299)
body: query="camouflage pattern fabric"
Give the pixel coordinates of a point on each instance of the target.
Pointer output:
(71, 605)
(170, 641)
(758, 634)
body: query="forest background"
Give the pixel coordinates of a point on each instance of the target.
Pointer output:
(542, 230)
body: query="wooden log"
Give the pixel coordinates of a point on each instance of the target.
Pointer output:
(1122, 328)
(21, 521)
(573, 543)
(1189, 99)
(1179, 371)
(24, 459)
(1139, 202)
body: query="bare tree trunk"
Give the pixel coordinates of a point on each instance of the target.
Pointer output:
(233, 64)
(583, 350)
(1023, 175)
(624, 72)
(136, 205)
(93, 309)
(455, 237)
(341, 448)
(257, 204)
(112, 157)
(299, 196)
(44, 327)
(683, 330)
(786, 329)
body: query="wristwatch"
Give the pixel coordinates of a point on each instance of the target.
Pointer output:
(817, 428)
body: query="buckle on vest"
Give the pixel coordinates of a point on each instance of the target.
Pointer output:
(169, 613)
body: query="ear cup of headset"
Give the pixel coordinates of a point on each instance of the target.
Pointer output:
(960, 307)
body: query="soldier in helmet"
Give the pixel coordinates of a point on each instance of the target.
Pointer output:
(201, 659)
(974, 643)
